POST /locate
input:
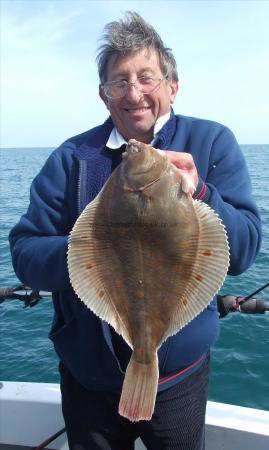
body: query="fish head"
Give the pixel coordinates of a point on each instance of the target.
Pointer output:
(142, 164)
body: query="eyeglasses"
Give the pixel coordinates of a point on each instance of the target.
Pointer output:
(145, 85)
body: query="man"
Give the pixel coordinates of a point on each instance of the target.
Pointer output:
(138, 84)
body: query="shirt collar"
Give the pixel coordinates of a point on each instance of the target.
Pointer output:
(116, 140)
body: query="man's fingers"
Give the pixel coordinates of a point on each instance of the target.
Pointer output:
(184, 162)
(181, 160)
(186, 180)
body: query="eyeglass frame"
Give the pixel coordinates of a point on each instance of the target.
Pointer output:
(126, 84)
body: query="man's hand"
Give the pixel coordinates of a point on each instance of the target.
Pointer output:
(185, 164)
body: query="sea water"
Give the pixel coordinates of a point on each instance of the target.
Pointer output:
(240, 359)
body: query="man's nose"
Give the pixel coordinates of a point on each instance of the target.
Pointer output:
(133, 93)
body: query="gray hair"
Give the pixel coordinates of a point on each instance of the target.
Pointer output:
(128, 35)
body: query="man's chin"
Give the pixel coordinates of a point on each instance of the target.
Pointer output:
(142, 134)
(140, 128)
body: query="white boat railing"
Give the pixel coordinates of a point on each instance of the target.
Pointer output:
(31, 412)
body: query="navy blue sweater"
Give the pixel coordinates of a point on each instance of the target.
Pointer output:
(71, 177)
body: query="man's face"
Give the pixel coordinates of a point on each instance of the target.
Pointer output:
(135, 114)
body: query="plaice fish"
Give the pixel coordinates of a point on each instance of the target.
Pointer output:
(146, 258)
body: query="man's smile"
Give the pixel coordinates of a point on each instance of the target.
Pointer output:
(140, 109)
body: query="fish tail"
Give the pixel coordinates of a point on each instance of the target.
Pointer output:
(139, 389)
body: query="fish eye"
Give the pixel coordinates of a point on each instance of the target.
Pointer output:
(135, 149)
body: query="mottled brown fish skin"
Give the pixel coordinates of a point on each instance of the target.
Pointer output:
(147, 222)
(148, 235)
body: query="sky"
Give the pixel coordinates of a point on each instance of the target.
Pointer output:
(49, 81)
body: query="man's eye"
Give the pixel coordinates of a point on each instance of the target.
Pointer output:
(145, 80)
(119, 83)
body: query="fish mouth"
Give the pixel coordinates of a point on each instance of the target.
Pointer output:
(133, 147)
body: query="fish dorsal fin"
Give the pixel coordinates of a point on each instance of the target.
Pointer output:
(85, 262)
(208, 272)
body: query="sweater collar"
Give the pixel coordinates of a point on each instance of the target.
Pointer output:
(116, 140)
(162, 139)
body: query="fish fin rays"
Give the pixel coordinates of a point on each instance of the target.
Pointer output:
(139, 390)
(85, 264)
(208, 272)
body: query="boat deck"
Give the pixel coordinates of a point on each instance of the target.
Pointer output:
(31, 412)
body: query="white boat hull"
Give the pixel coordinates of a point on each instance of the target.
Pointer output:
(31, 412)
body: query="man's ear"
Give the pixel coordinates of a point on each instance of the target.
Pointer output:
(103, 96)
(174, 87)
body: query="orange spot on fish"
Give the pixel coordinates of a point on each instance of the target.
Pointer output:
(89, 266)
(199, 278)
(117, 283)
(140, 350)
(128, 189)
(166, 301)
(207, 253)
(183, 245)
(101, 293)
(140, 294)
(153, 265)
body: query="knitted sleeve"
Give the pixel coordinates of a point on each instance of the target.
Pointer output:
(227, 189)
(39, 241)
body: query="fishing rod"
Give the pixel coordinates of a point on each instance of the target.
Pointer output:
(225, 303)
(49, 440)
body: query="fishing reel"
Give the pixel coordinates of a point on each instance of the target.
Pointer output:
(247, 305)
(29, 296)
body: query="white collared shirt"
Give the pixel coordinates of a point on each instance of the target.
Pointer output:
(116, 140)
